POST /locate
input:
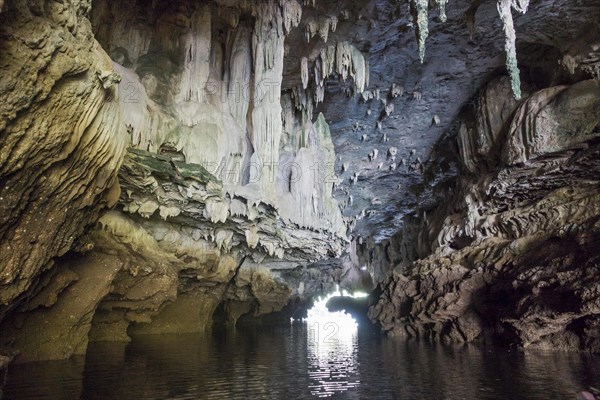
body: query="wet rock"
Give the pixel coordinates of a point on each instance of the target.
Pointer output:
(552, 120)
(66, 323)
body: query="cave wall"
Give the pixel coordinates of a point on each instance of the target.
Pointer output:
(61, 135)
(512, 257)
(207, 87)
(223, 199)
(205, 82)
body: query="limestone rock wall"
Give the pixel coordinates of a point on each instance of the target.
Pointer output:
(61, 135)
(215, 204)
(513, 255)
(205, 86)
(177, 247)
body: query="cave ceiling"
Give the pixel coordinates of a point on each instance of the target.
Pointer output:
(458, 62)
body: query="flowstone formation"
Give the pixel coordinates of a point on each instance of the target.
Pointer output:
(62, 139)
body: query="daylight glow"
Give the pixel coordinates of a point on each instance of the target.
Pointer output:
(332, 345)
(320, 314)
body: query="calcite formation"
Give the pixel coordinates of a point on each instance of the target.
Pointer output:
(420, 11)
(217, 204)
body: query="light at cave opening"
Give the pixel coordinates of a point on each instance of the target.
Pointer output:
(320, 313)
(332, 345)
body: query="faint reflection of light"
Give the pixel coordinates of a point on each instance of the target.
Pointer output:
(332, 346)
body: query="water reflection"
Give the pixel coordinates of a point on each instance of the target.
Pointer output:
(332, 345)
(46, 380)
(287, 362)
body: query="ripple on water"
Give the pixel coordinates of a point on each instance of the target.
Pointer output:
(296, 362)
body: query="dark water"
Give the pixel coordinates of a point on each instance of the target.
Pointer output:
(290, 362)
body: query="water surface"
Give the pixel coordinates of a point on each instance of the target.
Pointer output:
(302, 362)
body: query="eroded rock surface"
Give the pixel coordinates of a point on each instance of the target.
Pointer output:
(61, 135)
(219, 205)
(514, 253)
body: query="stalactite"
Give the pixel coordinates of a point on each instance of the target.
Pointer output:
(328, 60)
(268, 48)
(292, 14)
(322, 26)
(421, 9)
(504, 9)
(319, 78)
(240, 71)
(442, 8)
(197, 61)
(342, 59)
(334, 21)
(304, 72)
(319, 94)
(359, 70)
(312, 27)
(324, 29)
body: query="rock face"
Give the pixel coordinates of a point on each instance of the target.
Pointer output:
(235, 199)
(184, 239)
(219, 203)
(204, 84)
(61, 135)
(513, 255)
